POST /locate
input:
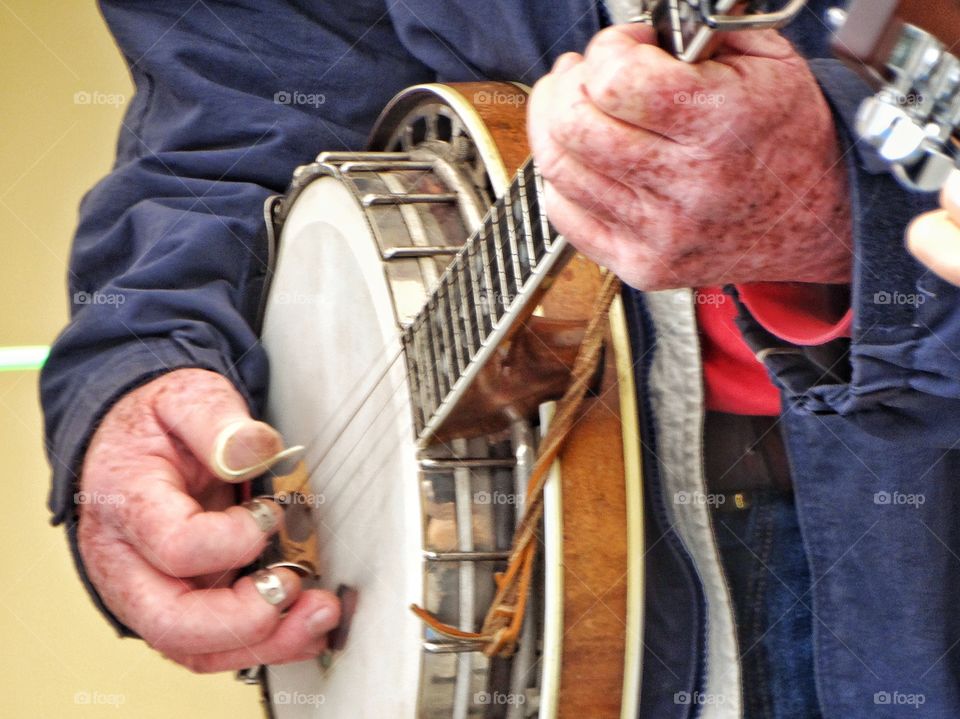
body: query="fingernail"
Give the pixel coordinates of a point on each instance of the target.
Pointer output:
(565, 62)
(322, 620)
(247, 448)
(262, 514)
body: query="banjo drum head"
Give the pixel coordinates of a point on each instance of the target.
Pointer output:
(338, 387)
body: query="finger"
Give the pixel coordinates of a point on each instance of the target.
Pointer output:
(171, 530)
(768, 44)
(561, 119)
(566, 61)
(934, 239)
(604, 197)
(633, 262)
(629, 78)
(177, 619)
(585, 231)
(296, 638)
(950, 196)
(208, 414)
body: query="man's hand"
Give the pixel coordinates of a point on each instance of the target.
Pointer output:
(161, 539)
(934, 238)
(678, 175)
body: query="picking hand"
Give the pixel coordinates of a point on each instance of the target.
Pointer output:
(162, 540)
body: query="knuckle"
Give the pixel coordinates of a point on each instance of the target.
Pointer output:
(261, 624)
(163, 632)
(197, 663)
(550, 159)
(174, 553)
(604, 43)
(606, 86)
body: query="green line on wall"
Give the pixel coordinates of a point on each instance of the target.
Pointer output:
(29, 357)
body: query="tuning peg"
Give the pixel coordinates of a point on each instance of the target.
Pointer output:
(928, 174)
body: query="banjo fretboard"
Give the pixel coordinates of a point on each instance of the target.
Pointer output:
(484, 290)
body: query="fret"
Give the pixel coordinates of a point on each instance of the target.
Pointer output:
(475, 281)
(456, 322)
(430, 394)
(527, 260)
(503, 268)
(461, 269)
(533, 200)
(442, 318)
(427, 365)
(420, 415)
(443, 383)
(544, 223)
(511, 228)
(489, 290)
(523, 202)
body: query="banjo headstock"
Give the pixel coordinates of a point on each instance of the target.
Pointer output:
(688, 28)
(904, 48)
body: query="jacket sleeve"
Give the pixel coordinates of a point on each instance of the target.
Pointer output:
(901, 369)
(169, 256)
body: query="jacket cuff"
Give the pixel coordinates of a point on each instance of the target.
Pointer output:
(122, 371)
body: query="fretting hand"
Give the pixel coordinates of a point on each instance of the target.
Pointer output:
(679, 175)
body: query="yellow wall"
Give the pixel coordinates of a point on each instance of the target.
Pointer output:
(58, 658)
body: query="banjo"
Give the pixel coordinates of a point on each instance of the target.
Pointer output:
(426, 326)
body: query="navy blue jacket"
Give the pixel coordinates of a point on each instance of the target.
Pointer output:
(176, 230)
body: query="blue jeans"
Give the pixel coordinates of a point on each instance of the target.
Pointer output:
(763, 556)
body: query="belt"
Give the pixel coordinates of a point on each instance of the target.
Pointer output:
(744, 454)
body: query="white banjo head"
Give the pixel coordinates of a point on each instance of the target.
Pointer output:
(338, 386)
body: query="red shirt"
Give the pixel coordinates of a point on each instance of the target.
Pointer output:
(735, 380)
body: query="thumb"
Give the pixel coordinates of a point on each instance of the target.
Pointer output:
(755, 43)
(934, 239)
(205, 411)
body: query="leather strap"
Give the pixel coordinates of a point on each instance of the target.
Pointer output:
(501, 627)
